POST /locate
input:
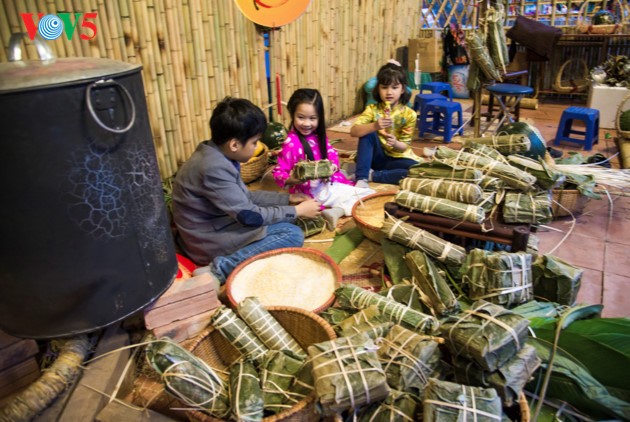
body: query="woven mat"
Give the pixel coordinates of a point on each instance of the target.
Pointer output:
(343, 126)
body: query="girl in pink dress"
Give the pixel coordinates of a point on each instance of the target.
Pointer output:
(307, 140)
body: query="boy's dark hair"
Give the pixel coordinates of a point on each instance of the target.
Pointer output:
(389, 74)
(313, 97)
(236, 118)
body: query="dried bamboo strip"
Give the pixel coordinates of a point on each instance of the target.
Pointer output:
(129, 36)
(116, 29)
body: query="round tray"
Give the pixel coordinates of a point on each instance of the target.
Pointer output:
(370, 211)
(300, 277)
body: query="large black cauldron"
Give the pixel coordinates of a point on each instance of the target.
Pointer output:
(84, 235)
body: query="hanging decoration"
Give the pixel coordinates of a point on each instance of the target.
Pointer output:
(272, 13)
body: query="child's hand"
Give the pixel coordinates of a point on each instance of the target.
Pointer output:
(393, 142)
(308, 209)
(296, 198)
(384, 123)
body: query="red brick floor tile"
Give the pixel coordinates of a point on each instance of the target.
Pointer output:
(617, 259)
(581, 251)
(591, 288)
(615, 296)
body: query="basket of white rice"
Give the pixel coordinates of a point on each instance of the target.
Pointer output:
(300, 277)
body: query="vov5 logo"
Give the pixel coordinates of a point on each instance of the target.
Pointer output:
(51, 26)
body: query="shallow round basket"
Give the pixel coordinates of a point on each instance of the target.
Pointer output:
(571, 199)
(584, 25)
(369, 214)
(256, 167)
(306, 327)
(572, 85)
(299, 276)
(625, 134)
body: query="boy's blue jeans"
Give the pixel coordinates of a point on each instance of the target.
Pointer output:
(370, 155)
(279, 235)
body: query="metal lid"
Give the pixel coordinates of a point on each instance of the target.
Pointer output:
(18, 75)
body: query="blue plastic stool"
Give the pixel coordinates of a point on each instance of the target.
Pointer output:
(501, 92)
(437, 88)
(421, 101)
(438, 119)
(589, 136)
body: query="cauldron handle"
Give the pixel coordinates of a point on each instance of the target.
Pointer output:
(15, 51)
(88, 100)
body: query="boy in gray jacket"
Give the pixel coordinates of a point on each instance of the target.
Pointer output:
(219, 221)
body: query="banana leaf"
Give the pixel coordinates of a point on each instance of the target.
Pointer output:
(419, 239)
(440, 206)
(509, 380)
(347, 373)
(505, 144)
(312, 170)
(393, 256)
(440, 170)
(489, 202)
(408, 294)
(436, 292)
(278, 370)
(344, 244)
(546, 177)
(238, 333)
(556, 280)
(502, 278)
(488, 334)
(446, 401)
(468, 193)
(571, 382)
(601, 345)
(303, 383)
(533, 243)
(266, 328)
(527, 208)
(535, 309)
(397, 406)
(511, 176)
(246, 396)
(189, 378)
(359, 298)
(409, 359)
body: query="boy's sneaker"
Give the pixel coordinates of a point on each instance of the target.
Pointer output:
(362, 184)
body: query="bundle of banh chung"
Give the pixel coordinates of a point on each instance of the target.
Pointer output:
(312, 170)
(409, 359)
(246, 395)
(527, 207)
(419, 239)
(397, 406)
(238, 333)
(556, 280)
(436, 293)
(437, 169)
(347, 373)
(446, 401)
(368, 320)
(505, 144)
(509, 379)
(356, 297)
(546, 176)
(440, 206)
(511, 176)
(502, 278)
(486, 333)
(467, 193)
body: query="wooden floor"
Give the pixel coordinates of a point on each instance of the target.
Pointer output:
(600, 240)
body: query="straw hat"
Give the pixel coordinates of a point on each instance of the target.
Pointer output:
(272, 13)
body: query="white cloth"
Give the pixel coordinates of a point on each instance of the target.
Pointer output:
(338, 195)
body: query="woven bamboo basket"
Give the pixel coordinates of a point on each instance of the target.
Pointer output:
(256, 166)
(625, 134)
(306, 327)
(571, 199)
(369, 214)
(301, 278)
(572, 85)
(585, 26)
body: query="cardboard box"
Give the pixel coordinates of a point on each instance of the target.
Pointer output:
(606, 99)
(430, 52)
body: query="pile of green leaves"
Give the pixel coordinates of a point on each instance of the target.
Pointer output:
(617, 70)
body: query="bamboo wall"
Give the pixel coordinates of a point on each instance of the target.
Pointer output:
(196, 52)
